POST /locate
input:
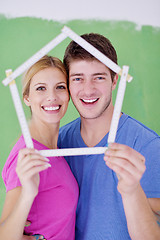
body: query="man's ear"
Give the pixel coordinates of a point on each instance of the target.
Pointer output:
(115, 80)
(26, 100)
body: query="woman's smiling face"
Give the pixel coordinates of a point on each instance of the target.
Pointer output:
(48, 95)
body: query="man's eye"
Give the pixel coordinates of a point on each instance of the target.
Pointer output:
(77, 79)
(100, 78)
(40, 88)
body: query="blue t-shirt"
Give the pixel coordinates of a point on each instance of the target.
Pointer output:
(100, 213)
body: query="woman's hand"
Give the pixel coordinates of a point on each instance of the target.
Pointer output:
(29, 164)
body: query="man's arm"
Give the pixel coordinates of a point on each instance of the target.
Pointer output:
(155, 206)
(142, 223)
(129, 166)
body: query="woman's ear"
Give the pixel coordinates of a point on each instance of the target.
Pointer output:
(26, 100)
(115, 80)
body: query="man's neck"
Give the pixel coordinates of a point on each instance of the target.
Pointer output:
(93, 130)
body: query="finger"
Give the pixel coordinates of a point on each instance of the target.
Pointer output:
(30, 159)
(29, 163)
(122, 166)
(27, 224)
(23, 153)
(27, 176)
(25, 237)
(38, 236)
(33, 171)
(125, 148)
(33, 157)
(123, 151)
(32, 167)
(129, 165)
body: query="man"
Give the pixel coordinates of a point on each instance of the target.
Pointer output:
(109, 207)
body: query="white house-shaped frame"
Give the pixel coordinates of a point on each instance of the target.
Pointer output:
(67, 32)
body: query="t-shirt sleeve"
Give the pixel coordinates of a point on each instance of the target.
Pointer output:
(9, 174)
(151, 179)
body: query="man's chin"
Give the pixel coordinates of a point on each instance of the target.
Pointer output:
(89, 116)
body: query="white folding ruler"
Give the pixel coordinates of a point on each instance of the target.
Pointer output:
(19, 110)
(67, 32)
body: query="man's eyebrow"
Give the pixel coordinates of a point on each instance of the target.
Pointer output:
(94, 74)
(76, 74)
(100, 73)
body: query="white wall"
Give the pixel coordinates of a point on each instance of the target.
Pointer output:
(142, 12)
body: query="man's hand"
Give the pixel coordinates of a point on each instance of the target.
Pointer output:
(128, 164)
(34, 237)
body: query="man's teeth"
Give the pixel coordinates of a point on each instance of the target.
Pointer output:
(89, 100)
(51, 108)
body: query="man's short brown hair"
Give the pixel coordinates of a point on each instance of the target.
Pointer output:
(75, 52)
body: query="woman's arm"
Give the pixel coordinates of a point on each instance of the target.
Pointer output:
(14, 214)
(19, 200)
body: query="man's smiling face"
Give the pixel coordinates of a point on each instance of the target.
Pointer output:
(90, 87)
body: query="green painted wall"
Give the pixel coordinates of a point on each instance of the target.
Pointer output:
(20, 38)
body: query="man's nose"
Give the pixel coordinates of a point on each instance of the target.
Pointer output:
(88, 87)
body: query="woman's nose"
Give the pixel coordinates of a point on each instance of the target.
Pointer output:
(51, 96)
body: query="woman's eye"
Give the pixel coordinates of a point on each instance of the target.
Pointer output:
(40, 88)
(61, 87)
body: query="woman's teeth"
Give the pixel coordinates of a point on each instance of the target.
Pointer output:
(51, 108)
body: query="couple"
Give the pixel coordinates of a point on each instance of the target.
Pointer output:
(109, 207)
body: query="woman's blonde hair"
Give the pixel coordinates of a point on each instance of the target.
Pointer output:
(43, 63)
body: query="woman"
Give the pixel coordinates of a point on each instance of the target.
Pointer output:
(47, 198)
